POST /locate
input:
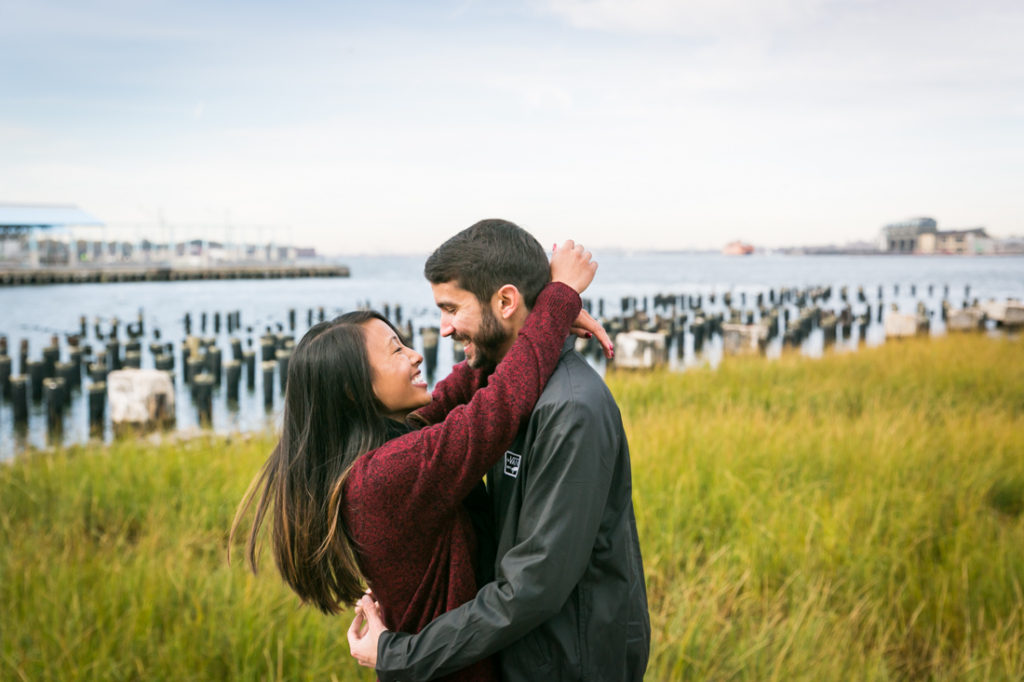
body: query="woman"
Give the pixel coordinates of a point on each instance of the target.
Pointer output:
(356, 498)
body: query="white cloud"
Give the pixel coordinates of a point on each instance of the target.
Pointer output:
(654, 123)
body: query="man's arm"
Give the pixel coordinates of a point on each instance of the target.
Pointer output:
(569, 478)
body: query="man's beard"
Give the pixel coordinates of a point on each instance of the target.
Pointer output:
(488, 342)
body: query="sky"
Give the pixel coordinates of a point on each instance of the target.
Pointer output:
(387, 126)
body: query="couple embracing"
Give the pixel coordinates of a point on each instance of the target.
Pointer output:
(376, 482)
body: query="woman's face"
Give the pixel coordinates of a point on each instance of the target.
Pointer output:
(397, 381)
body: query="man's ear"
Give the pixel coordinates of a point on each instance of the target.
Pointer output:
(507, 301)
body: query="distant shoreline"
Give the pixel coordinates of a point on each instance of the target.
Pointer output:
(162, 273)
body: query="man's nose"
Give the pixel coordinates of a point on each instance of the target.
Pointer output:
(446, 325)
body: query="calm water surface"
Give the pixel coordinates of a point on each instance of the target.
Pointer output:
(37, 313)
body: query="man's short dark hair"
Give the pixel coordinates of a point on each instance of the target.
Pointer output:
(488, 255)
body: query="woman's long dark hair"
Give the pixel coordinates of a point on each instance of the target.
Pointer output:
(331, 417)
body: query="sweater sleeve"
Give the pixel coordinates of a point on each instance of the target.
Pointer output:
(455, 389)
(412, 484)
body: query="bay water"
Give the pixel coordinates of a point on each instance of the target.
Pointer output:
(37, 313)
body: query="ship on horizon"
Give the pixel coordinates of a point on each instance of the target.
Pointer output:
(738, 248)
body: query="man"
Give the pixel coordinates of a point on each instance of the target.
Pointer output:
(568, 600)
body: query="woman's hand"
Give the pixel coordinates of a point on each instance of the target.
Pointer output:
(364, 632)
(585, 326)
(571, 264)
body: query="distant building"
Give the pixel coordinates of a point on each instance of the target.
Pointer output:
(38, 234)
(903, 237)
(1010, 245)
(33, 235)
(957, 242)
(922, 236)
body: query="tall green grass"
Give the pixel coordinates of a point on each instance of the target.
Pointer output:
(852, 517)
(112, 567)
(855, 517)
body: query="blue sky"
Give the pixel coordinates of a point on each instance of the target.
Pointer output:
(388, 126)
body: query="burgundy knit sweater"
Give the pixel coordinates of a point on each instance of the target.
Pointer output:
(403, 501)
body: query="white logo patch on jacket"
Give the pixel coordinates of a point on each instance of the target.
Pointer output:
(512, 461)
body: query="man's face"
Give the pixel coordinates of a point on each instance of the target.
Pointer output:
(476, 326)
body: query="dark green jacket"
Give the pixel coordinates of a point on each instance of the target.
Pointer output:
(569, 600)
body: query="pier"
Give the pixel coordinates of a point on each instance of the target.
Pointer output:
(59, 244)
(20, 276)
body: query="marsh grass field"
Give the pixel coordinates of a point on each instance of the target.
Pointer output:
(853, 517)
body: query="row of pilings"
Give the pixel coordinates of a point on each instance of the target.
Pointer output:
(220, 357)
(786, 317)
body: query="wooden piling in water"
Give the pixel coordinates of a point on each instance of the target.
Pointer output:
(233, 369)
(699, 330)
(36, 371)
(283, 356)
(67, 372)
(113, 348)
(214, 363)
(430, 336)
(268, 382)
(23, 356)
(164, 361)
(98, 371)
(75, 358)
(19, 398)
(268, 347)
(195, 367)
(54, 407)
(249, 358)
(97, 407)
(203, 396)
(51, 354)
(5, 377)
(186, 354)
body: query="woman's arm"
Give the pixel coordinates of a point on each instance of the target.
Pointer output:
(463, 382)
(455, 389)
(419, 478)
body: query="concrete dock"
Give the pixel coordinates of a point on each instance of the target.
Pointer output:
(164, 273)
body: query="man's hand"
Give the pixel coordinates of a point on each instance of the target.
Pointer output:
(364, 632)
